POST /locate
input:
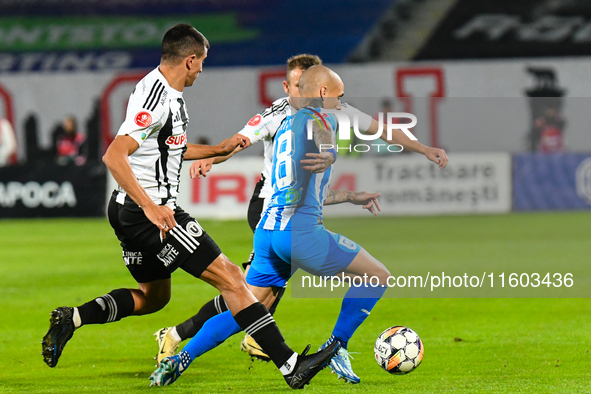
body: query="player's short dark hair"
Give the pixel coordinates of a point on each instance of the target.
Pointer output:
(181, 41)
(303, 61)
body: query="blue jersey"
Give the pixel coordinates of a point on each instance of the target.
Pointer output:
(298, 194)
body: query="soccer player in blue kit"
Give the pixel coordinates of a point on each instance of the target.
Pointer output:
(291, 234)
(264, 127)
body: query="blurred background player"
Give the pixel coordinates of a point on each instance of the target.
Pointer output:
(263, 127)
(156, 235)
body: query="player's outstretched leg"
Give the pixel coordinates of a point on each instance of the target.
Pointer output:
(169, 338)
(61, 329)
(298, 370)
(250, 316)
(248, 344)
(215, 331)
(356, 307)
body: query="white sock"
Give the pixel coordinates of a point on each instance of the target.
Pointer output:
(175, 334)
(287, 368)
(76, 318)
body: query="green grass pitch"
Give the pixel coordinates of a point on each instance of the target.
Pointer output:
(472, 345)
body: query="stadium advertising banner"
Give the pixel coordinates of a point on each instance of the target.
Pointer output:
(86, 43)
(225, 192)
(410, 185)
(40, 36)
(453, 112)
(552, 182)
(50, 190)
(506, 28)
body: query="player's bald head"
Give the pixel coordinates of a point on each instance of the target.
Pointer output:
(320, 87)
(315, 78)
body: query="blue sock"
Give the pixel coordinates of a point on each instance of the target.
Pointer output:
(357, 304)
(215, 331)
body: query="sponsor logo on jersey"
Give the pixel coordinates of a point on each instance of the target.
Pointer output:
(258, 130)
(292, 196)
(168, 255)
(143, 119)
(177, 140)
(255, 120)
(194, 229)
(132, 258)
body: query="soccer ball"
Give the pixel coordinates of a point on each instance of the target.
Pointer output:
(399, 350)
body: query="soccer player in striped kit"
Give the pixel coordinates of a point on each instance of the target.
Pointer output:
(156, 235)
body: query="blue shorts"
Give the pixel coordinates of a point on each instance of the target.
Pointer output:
(278, 254)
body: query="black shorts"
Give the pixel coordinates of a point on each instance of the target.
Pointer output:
(255, 210)
(255, 207)
(141, 242)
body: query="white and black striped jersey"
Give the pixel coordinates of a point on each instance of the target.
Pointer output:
(157, 119)
(264, 126)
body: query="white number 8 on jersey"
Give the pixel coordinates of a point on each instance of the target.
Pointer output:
(285, 175)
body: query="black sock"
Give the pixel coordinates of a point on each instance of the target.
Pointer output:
(189, 328)
(257, 322)
(107, 308)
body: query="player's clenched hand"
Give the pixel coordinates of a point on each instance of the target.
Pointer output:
(318, 162)
(368, 200)
(200, 167)
(437, 156)
(161, 215)
(240, 141)
(229, 145)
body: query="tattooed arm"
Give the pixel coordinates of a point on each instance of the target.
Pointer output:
(368, 200)
(324, 138)
(324, 135)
